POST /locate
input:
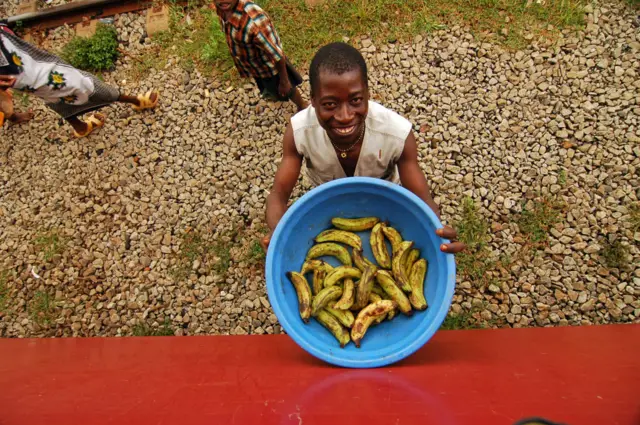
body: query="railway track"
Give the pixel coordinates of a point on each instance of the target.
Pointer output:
(74, 12)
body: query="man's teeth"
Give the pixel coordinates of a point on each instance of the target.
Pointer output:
(346, 130)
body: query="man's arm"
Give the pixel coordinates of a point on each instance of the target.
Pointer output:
(412, 178)
(283, 183)
(411, 174)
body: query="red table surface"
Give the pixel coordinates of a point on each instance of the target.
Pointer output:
(577, 376)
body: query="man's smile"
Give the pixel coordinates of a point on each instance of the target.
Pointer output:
(345, 131)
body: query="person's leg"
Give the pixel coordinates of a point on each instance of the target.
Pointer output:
(129, 99)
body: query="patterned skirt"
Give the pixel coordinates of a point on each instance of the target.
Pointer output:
(65, 89)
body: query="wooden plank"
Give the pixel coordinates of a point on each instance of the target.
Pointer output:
(27, 6)
(157, 19)
(86, 28)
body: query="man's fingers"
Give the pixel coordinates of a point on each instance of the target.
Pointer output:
(453, 247)
(447, 233)
(264, 242)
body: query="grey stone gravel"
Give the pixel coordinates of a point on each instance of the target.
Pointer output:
(499, 126)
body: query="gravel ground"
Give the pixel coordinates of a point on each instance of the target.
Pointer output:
(93, 240)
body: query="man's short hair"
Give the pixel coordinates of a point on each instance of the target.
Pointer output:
(336, 58)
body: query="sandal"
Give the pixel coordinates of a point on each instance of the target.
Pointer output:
(93, 122)
(146, 102)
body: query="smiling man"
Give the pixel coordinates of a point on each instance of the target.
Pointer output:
(257, 51)
(344, 134)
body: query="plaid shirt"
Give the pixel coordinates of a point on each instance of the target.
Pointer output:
(253, 40)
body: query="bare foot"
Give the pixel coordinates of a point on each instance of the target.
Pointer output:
(153, 97)
(80, 127)
(20, 117)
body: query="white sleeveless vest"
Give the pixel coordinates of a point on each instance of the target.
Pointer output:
(381, 148)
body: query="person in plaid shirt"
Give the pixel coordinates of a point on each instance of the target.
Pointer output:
(257, 51)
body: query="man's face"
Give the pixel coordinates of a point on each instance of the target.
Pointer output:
(341, 104)
(225, 5)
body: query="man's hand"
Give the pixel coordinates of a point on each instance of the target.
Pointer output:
(6, 82)
(284, 88)
(449, 233)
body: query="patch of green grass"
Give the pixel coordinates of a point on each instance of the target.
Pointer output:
(562, 178)
(201, 44)
(144, 329)
(223, 253)
(635, 3)
(462, 320)
(614, 254)
(303, 30)
(142, 64)
(50, 244)
(467, 319)
(506, 260)
(193, 246)
(535, 222)
(96, 53)
(473, 230)
(42, 308)
(213, 256)
(256, 254)
(4, 292)
(634, 215)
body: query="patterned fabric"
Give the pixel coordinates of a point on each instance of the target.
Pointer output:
(65, 89)
(252, 40)
(3, 61)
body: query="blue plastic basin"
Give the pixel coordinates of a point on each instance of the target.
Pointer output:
(392, 340)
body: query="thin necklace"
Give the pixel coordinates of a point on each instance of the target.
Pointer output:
(343, 152)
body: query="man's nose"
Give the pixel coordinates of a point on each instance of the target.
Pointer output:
(344, 114)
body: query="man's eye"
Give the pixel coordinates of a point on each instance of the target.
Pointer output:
(329, 105)
(356, 101)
